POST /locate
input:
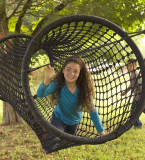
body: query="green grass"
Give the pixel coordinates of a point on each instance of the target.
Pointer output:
(20, 142)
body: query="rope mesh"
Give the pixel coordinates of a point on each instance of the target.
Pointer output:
(106, 60)
(105, 51)
(12, 50)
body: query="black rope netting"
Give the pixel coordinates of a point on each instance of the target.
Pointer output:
(12, 50)
(104, 47)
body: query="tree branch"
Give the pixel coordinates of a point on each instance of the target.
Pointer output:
(40, 24)
(3, 19)
(19, 22)
(14, 11)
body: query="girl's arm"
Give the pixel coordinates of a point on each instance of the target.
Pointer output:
(97, 122)
(46, 87)
(43, 91)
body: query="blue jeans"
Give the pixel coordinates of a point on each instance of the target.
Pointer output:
(70, 129)
(138, 123)
(50, 144)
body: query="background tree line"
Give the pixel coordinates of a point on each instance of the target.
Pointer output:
(30, 16)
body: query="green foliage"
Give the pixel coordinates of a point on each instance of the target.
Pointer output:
(38, 60)
(25, 30)
(139, 41)
(36, 77)
(127, 14)
(35, 23)
(12, 24)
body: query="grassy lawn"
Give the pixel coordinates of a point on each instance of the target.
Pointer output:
(18, 142)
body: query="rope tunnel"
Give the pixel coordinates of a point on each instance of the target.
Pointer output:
(104, 47)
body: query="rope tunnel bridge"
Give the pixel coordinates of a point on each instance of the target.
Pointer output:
(104, 47)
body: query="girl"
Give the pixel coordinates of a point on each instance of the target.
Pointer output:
(72, 89)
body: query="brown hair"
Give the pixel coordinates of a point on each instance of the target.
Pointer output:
(132, 61)
(84, 83)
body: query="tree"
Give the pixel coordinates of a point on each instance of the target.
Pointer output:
(129, 15)
(30, 16)
(15, 17)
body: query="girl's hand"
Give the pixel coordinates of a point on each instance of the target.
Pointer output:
(49, 74)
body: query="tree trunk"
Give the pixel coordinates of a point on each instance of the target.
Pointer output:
(3, 19)
(10, 116)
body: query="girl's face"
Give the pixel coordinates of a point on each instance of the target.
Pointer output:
(71, 72)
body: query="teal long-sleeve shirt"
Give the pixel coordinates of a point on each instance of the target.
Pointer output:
(66, 109)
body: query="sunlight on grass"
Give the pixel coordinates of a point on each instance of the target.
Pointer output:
(24, 144)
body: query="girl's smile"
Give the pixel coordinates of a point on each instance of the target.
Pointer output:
(71, 72)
